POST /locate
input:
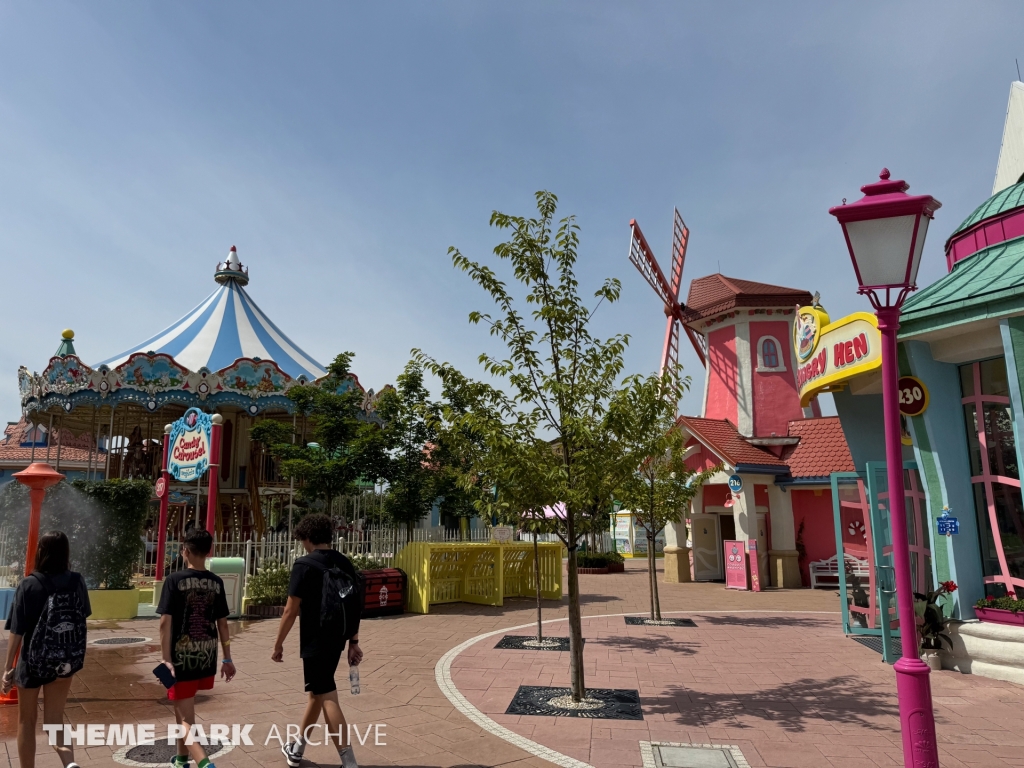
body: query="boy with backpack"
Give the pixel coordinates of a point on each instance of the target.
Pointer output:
(193, 610)
(326, 594)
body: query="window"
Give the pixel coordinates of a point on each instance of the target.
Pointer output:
(769, 357)
(995, 474)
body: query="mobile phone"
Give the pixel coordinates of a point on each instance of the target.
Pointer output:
(164, 675)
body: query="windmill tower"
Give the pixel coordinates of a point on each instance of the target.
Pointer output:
(668, 290)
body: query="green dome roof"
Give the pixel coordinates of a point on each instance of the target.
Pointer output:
(1002, 201)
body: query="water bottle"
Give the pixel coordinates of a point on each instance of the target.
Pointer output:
(353, 679)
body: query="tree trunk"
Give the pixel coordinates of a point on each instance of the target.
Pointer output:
(536, 577)
(579, 690)
(654, 577)
(651, 573)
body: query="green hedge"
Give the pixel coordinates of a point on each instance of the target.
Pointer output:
(598, 559)
(269, 585)
(103, 521)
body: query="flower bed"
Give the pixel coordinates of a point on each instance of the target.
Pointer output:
(1000, 610)
(264, 611)
(600, 562)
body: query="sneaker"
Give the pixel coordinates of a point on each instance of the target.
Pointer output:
(348, 758)
(293, 758)
(176, 762)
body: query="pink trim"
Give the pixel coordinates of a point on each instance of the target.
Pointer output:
(986, 232)
(999, 616)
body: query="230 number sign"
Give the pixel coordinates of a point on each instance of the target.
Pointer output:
(913, 396)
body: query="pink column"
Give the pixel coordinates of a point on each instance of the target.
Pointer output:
(211, 501)
(161, 536)
(913, 688)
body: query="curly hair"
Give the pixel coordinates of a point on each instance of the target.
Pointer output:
(316, 529)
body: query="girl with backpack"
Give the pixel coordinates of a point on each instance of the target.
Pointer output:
(47, 625)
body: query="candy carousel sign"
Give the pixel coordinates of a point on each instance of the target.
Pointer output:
(190, 445)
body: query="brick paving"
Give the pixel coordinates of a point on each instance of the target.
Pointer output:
(787, 687)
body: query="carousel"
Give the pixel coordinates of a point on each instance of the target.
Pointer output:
(224, 357)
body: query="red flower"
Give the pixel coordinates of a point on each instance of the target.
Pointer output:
(990, 598)
(949, 586)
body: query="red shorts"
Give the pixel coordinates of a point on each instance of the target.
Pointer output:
(186, 689)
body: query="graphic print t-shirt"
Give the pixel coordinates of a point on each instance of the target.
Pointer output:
(195, 600)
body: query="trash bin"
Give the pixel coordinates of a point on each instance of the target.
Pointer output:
(385, 592)
(231, 570)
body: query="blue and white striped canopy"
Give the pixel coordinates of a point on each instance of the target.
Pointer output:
(225, 327)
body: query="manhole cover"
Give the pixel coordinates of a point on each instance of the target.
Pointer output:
(120, 641)
(161, 753)
(672, 755)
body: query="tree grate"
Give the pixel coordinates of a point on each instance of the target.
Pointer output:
(120, 641)
(602, 704)
(643, 621)
(519, 643)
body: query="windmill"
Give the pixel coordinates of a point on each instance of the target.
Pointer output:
(668, 290)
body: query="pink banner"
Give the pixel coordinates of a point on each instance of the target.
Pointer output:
(735, 565)
(755, 566)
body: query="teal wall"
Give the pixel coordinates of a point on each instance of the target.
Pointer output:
(940, 446)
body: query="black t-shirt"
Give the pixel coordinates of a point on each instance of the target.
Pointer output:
(195, 600)
(30, 598)
(307, 583)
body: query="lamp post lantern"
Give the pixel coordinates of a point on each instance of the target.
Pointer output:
(885, 232)
(38, 477)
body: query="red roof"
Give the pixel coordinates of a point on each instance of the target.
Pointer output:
(717, 293)
(822, 449)
(74, 450)
(721, 437)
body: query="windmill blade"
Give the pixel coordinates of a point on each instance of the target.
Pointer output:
(643, 259)
(700, 345)
(680, 238)
(670, 352)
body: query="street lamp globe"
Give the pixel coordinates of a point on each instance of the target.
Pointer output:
(885, 231)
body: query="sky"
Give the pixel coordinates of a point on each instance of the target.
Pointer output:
(344, 147)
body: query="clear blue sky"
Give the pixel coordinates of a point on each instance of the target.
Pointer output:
(344, 147)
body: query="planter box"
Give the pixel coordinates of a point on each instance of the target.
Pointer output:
(263, 611)
(384, 592)
(999, 616)
(114, 603)
(616, 567)
(591, 571)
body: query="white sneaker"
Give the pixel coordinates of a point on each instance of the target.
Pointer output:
(348, 758)
(293, 758)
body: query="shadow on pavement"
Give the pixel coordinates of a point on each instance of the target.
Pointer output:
(766, 621)
(651, 644)
(839, 699)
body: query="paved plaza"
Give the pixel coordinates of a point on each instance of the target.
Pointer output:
(770, 673)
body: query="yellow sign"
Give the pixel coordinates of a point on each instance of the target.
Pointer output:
(830, 353)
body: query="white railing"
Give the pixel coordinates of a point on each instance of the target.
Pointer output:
(377, 542)
(10, 559)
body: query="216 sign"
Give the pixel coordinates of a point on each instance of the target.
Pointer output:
(913, 396)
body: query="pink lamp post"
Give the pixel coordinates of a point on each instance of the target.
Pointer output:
(885, 232)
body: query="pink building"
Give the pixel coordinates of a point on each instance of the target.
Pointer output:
(776, 456)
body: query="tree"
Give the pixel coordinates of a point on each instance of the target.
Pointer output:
(558, 378)
(347, 446)
(659, 487)
(407, 435)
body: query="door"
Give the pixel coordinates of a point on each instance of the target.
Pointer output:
(762, 549)
(707, 563)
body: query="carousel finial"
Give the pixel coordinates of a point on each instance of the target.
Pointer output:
(232, 270)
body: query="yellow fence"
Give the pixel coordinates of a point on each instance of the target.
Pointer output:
(477, 573)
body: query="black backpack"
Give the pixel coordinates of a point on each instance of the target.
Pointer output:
(341, 601)
(57, 646)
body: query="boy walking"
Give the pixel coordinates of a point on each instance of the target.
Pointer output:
(326, 594)
(192, 609)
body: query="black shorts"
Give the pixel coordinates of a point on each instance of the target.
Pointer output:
(318, 671)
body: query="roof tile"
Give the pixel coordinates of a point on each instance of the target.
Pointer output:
(822, 449)
(723, 438)
(717, 293)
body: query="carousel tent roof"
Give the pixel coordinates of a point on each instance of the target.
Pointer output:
(226, 326)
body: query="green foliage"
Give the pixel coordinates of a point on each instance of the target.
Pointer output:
(269, 585)
(115, 550)
(1004, 603)
(346, 445)
(103, 522)
(407, 436)
(366, 562)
